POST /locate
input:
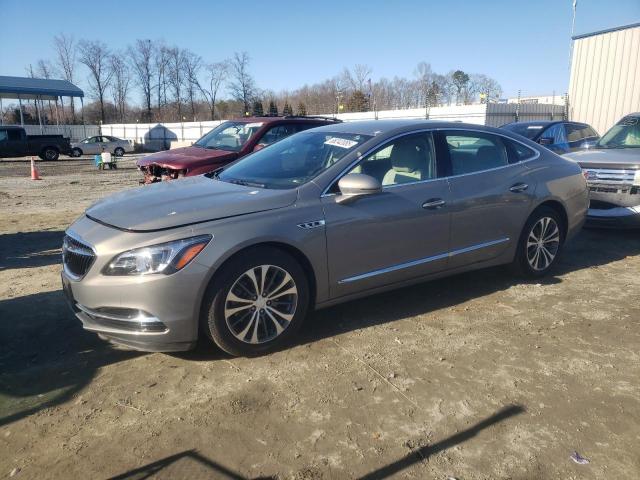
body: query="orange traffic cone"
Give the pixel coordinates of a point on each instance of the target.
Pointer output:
(34, 171)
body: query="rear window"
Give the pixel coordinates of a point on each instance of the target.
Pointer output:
(526, 130)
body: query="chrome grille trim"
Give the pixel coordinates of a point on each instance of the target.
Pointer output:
(609, 176)
(77, 257)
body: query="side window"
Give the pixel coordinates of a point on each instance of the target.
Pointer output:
(590, 132)
(556, 132)
(94, 140)
(475, 151)
(3, 135)
(407, 159)
(517, 152)
(14, 135)
(575, 133)
(277, 133)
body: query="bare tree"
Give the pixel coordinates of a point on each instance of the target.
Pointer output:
(66, 62)
(141, 55)
(44, 69)
(192, 66)
(121, 83)
(485, 86)
(242, 87)
(95, 56)
(161, 64)
(216, 74)
(175, 74)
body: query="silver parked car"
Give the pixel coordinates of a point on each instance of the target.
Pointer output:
(322, 217)
(612, 170)
(99, 144)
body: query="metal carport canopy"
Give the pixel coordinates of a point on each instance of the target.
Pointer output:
(37, 88)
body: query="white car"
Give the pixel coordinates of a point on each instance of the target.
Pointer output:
(101, 143)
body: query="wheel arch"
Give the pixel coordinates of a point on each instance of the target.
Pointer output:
(559, 208)
(292, 250)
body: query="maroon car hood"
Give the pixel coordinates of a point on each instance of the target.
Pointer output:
(187, 158)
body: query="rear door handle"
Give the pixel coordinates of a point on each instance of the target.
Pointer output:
(519, 187)
(434, 203)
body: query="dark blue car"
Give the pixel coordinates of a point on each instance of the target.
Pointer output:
(558, 136)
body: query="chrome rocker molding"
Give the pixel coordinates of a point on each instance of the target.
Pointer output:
(422, 261)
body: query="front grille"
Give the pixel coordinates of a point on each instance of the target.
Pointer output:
(609, 176)
(77, 257)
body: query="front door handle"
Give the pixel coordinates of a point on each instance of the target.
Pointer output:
(519, 187)
(434, 203)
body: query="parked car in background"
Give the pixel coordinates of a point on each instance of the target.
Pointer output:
(225, 143)
(321, 217)
(101, 143)
(558, 136)
(612, 170)
(14, 142)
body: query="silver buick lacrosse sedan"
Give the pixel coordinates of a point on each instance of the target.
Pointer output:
(325, 216)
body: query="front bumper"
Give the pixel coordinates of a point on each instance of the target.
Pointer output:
(149, 312)
(617, 217)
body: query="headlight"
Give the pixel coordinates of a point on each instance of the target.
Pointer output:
(165, 258)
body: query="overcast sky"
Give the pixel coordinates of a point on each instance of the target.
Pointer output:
(523, 44)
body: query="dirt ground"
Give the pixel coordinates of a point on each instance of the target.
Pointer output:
(478, 376)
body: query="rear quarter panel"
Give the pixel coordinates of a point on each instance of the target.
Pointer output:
(561, 180)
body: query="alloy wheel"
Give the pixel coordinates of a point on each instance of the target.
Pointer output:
(260, 304)
(543, 243)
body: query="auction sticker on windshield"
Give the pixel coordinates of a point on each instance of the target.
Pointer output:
(340, 142)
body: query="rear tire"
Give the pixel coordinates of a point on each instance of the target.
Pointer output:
(50, 153)
(540, 243)
(256, 302)
(119, 152)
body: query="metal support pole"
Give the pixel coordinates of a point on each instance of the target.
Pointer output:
(57, 116)
(39, 117)
(21, 116)
(84, 127)
(1, 113)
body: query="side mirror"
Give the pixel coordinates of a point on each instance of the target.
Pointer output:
(356, 185)
(546, 141)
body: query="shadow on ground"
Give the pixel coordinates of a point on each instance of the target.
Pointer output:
(30, 249)
(191, 463)
(45, 356)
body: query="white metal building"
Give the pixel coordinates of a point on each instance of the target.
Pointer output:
(605, 76)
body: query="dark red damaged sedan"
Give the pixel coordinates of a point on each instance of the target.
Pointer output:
(224, 144)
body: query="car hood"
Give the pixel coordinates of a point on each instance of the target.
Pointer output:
(602, 157)
(187, 201)
(187, 158)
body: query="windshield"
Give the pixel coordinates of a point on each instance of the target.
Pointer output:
(526, 130)
(624, 134)
(230, 136)
(293, 161)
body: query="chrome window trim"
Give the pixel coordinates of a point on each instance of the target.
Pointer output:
(438, 129)
(421, 261)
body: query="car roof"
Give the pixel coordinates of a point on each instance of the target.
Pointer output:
(544, 123)
(379, 127)
(292, 118)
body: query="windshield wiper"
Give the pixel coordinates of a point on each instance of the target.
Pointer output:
(245, 183)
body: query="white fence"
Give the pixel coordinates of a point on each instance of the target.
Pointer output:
(161, 136)
(74, 132)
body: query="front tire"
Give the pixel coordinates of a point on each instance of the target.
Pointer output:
(50, 153)
(256, 303)
(540, 243)
(76, 152)
(119, 152)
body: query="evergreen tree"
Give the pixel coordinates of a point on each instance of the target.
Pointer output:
(257, 109)
(273, 108)
(287, 111)
(302, 110)
(358, 102)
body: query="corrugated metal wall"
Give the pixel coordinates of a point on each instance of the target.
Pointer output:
(605, 78)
